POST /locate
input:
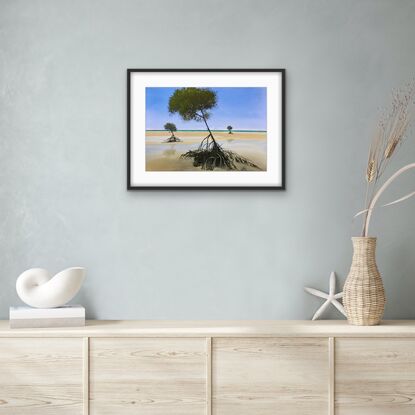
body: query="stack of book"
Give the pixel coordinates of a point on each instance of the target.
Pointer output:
(28, 317)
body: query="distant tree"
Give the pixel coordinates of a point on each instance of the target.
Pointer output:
(169, 126)
(229, 128)
(195, 104)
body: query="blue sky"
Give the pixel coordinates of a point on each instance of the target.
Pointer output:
(243, 108)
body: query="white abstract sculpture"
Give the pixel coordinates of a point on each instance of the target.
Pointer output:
(38, 289)
(331, 297)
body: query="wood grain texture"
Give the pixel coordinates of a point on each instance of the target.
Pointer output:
(218, 328)
(331, 386)
(127, 373)
(40, 376)
(85, 375)
(209, 376)
(147, 376)
(265, 376)
(375, 376)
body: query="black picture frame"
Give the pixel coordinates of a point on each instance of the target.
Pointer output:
(283, 132)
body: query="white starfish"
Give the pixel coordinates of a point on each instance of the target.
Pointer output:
(331, 297)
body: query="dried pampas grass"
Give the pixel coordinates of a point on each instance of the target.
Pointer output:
(390, 133)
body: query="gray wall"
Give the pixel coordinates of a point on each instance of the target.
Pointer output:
(197, 254)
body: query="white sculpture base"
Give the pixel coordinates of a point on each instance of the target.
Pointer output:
(66, 316)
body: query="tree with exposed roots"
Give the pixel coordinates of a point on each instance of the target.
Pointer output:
(229, 128)
(169, 126)
(195, 104)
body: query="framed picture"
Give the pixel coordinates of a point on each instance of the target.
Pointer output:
(206, 128)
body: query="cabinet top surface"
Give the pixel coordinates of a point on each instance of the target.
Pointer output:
(218, 328)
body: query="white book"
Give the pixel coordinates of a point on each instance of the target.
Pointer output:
(66, 316)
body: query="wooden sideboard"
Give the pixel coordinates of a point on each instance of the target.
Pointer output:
(209, 368)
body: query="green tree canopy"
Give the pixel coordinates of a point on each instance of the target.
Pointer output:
(169, 126)
(192, 103)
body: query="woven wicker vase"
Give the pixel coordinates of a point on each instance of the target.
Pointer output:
(364, 295)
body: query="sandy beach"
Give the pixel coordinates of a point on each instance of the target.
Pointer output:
(161, 156)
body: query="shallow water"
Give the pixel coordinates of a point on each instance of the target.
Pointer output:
(161, 156)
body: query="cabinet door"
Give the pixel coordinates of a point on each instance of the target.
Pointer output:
(40, 376)
(270, 376)
(375, 376)
(148, 376)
